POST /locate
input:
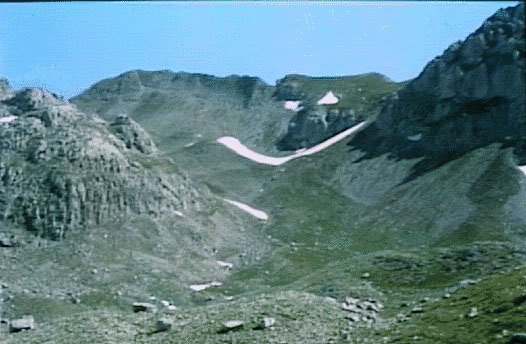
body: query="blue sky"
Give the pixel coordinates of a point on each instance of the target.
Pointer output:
(66, 47)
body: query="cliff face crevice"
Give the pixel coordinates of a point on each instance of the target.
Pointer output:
(469, 97)
(62, 170)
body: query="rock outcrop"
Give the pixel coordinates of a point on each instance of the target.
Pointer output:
(63, 170)
(470, 96)
(314, 121)
(5, 89)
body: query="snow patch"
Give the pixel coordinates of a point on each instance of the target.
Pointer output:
(178, 213)
(254, 212)
(523, 169)
(328, 99)
(234, 144)
(294, 105)
(416, 137)
(189, 145)
(201, 287)
(8, 119)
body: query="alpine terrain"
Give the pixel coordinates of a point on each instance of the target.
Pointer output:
(164, 207)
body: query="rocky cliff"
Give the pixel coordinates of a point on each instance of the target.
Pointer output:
(470, 96)
(63, 170)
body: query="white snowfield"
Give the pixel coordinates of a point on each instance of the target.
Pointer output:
(523, 169)
(7, 119)
(234, 144)
(254, 212)
(328, 99)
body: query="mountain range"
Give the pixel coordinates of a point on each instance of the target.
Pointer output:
(126, 216)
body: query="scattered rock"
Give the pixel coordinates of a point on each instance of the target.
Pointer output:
(163, 325)
(225, 265)
(232, 325)
(27, 322)
(417, 310)
(366, 275)
(266, 322)
(361, 310)
(473, 312)
(7, 240)
(143, 307)
(447, 295)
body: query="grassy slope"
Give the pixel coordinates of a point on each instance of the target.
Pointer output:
(331, 221)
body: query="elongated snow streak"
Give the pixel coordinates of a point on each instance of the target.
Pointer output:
(254, 212)
(523, 169)
(7, 119)
(234, 144)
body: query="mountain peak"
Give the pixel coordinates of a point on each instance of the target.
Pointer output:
(470, 96)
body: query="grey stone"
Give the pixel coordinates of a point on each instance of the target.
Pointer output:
(232, 325)
(143, 307)
(7, 240)
(132, 134)
(27, 322)
(163, 325)
(266, 322)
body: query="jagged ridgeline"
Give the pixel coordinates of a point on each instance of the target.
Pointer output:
(470, 96)
(61, 169)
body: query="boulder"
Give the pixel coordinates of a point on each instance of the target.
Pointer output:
(232, 325)
(143, 307)
(27, 322)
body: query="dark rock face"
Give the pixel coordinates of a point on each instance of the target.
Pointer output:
(313, 125)
(471, 96)
(62, 170)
